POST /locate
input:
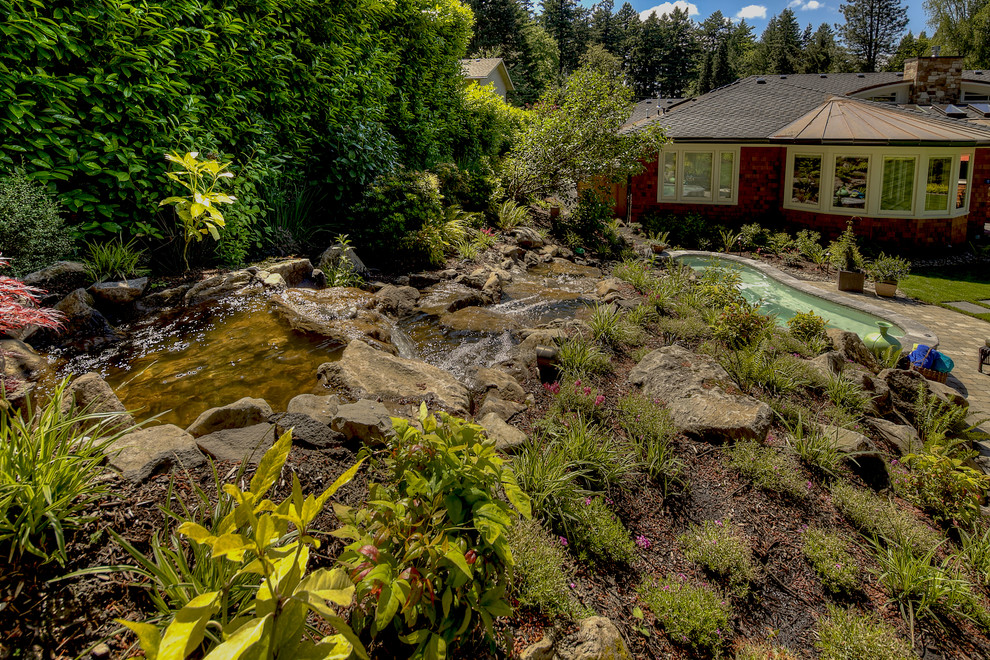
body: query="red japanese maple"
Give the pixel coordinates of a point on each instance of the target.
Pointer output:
(19, 305)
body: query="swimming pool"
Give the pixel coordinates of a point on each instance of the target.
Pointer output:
(784, 301)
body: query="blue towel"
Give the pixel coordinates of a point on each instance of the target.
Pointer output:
(922, 357)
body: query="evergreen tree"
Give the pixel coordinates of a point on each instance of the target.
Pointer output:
(721, 71)
(644, 64)
(714, 32)
(568, 23)
(543, 66)
(910, 46)
(819, 53)
(627, 24)
(605, 26)
(742, 47)
(704, 84)
(678, 54)
(872, 29)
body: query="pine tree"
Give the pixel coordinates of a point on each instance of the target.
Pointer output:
(705, 78)
(569, 24)
(872, 29)
(819, 53)
(644, 63)
(680, 50)
(721, 71)
(627, 24)
(605, 27)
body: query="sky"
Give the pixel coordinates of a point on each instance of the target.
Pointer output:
(757, 15)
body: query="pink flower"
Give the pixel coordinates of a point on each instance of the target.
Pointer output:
(587, 391)
(563, 541)
(643, 542)
(599, 400)
(587, 501)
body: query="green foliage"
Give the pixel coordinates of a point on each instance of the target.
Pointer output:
(695, 616)
(768, 468)
(844, 251)
(540, 578)
(579, 357)
(753, 237)
(723, 550)
(939, 481)
(848, 635)
(511, 215)
(598, 535)
(762, 366)
(603, 464)
(808, 243)
(650, 429)
(610, 327)
(876, 516)
(590, 226)
(888, 269)
(487, 126)
(846, 394)
(340, 269)
(395, 208)
(552, 479)
(808, 327)
(828, 553)
(936, 420)
(575, 397)
(50, 470)
(690, 231)
(255, 537)
(573, 137)
(976, 553)
(739, 324)
(430, 552)
(113, 260)
(198, 210)
(638, 273)
(32, 231)
(816, 448)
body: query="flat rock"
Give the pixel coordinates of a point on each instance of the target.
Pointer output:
(123, 292)
(364, 372)
(847, 440)
(902, 436)
(241, 413)
(218, 286)
(597, 638)
(365, 420)
(478, 319)
(307, 430)
(504, 410)
(92, 394)
(607, 286)
(320, 407)
(967, 306)
(396, 300)
(506, 437)
(238, 444)
(143, 453)
(852, 348)
(691, 386)
(449, 297)
(60, 275)
(294, 271)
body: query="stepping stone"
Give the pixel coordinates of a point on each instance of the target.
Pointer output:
(985, 302)
(972, 308)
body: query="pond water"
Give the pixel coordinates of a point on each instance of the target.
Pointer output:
(784, 301)
(179, 364)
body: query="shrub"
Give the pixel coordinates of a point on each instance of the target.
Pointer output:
(768, 468)
(591, 222)
(848, 635)
(394, 209)
(436, 526)
(32, 231)
(113, 260)
(944, 486)
(338, 267)
(578, 357)
(976, 552)
(760, 366)
(808, 327)
(888, 269)
(808, 243)
(828, 554)
(844, 252)
(690, 231)
(540, 578)
(779, 243)
(740, 324)
(50, 470)
(438, 236)
(877, 516)
(577, 397)
(695, 616)
(598, 535)
(688, 328)
(723, 550)
(935, 419)
(718, 287)
(255, 537)
(641, 316)
(753, 237)
(511, 215)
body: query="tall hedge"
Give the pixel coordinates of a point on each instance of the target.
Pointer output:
(94, 92)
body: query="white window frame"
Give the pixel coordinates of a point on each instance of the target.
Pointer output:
(875, 179)
(716, 151)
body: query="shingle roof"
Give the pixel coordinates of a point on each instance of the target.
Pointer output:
(480, 67)
(650, 108)
(844, 120)
(754, 108)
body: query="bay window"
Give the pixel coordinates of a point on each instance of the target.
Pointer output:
(849, 183)
(807, 177)
(937, 184)
(699, 174)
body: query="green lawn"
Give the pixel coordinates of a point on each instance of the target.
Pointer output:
(950, 284)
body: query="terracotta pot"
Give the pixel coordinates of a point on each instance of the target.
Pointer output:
(886, 289)
(850, 281)
(658, 248)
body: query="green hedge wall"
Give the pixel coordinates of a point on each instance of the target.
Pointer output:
(94, 92)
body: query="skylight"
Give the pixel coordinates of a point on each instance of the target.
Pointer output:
(954, 111)
(982, 108)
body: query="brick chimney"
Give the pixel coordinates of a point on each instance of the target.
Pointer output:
(933, 79)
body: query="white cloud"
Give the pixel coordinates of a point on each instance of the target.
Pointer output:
(794, 3)
(753, 11)
(668, 8)
(813, 4)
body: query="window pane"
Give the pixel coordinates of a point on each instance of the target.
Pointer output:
(697, 176)
(937, 188)
(897, 193)
(669, 176)
(807, 177)
(850, 182)
(963, 181)
(725, 181)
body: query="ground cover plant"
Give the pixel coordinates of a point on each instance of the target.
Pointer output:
(768, 468)
(723, 550)
(694, 615)
(828, 553)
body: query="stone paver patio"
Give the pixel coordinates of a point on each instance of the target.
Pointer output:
(960, 337)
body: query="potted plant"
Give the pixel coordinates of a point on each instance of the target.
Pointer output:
(845, 256)
(886, 271)
(659, 241)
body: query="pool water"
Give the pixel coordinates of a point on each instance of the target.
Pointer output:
(784, 301)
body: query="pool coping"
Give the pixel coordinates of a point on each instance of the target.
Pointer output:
(914, 332)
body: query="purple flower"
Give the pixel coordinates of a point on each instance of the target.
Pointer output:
(643, 542)
(573, 586)
(563, 541)
(587, 501)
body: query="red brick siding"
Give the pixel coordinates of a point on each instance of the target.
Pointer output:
(761, 182)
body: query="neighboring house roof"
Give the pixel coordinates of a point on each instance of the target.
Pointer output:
(754, 108)
(842, 119)
(482, 68)
(651, 107)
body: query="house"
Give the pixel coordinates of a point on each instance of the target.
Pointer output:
(905, 154)
(488, 71)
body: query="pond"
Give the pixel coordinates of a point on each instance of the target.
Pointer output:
(784, 301)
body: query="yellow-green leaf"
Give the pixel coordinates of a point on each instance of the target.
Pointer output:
(243, 639)
(185, 633)
(271, 465)
(147, 635)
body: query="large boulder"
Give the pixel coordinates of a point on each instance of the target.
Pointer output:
(902, 436)
(482, 381)
(478, 319)
(22, 368)
(366, 421)
(363, 372)
(330, 258)
(61, 275)
(241, 444)
(596, 638)
(846, 440)
(321, 408)
(852, 348)
(903, 385)
(691, 386)
(506, 437)
(119, 294)
(141, 454)
(219, 286)
(294, 271)
(92, 394)
(493, 404)
(307, 430)
(528, 238)
(243, 412)
(82, 321)
(396, 300)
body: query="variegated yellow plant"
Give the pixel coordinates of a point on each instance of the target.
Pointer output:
(199, 211)
(271, 541)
